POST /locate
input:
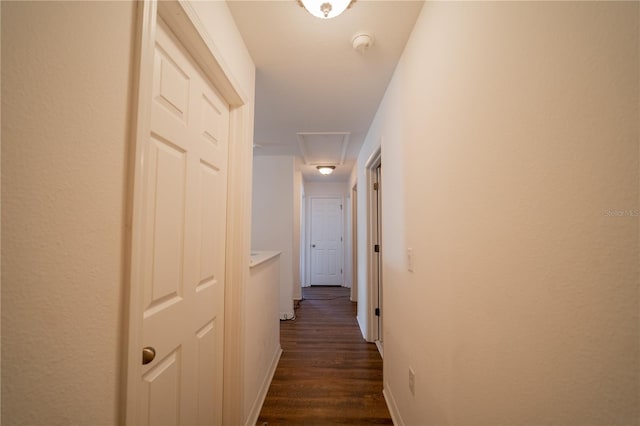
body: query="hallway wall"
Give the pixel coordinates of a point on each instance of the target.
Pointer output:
(272, 219)
(510, 142)
(67, 78)
(298, 235)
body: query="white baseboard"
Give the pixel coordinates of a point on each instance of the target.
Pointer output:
(380, 348)
(252, 419)
(364, 336)
(393, 408)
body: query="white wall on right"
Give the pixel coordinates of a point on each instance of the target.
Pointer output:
(510, 158)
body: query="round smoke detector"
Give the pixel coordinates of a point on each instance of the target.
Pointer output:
(362, 42)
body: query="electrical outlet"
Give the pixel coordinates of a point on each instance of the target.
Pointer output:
(412, 381)
(410, 259)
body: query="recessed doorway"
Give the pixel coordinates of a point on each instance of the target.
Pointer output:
(374, 237)
(326, 241)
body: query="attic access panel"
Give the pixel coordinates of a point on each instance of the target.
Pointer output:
(319, 148)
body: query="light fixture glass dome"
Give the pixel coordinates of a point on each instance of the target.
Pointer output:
(326, 170)
(326, 9)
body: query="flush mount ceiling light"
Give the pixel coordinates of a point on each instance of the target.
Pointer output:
(326, 9)
(326, 170)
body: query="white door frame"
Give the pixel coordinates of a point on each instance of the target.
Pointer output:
(308, 238)
(372, 259)
(303, 240)
(187, 27)
(354, 243)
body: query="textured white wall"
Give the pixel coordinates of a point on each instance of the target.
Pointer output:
(65, 92)
(509, 137)
(272, 218)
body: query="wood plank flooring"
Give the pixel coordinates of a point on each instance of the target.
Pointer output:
(327, 373)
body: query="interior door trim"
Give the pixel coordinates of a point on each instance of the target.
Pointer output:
(372, 322)
(341, 259)
(181, 18)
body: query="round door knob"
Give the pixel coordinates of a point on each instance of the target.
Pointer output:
(313, 245)
(148, 355)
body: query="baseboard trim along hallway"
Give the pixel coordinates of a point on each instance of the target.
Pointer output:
(393, 408)
(259, 401)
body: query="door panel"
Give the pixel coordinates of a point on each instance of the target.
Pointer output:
(185, 168)
(160, 390)
(326, 241)
(207, 365)
(208, 227)
(166, 205)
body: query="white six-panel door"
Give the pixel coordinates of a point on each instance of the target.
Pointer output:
(326, 241)
(185, 170)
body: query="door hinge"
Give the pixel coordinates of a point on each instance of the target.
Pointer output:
(340, 270)
(340, 206)
(376, 248)
(377, 312)
(375, 186)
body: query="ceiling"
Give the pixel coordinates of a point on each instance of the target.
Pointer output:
(316, 95)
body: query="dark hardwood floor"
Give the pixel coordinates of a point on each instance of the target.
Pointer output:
(327, 373)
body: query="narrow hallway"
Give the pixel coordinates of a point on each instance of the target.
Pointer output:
(327, 374)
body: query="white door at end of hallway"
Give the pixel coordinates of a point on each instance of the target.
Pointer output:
(326, 241)
(182, 245)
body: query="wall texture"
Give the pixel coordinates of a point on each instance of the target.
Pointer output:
(66, 79)
(510, 141)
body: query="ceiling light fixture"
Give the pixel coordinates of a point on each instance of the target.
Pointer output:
(326, 9)
(326, 170)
